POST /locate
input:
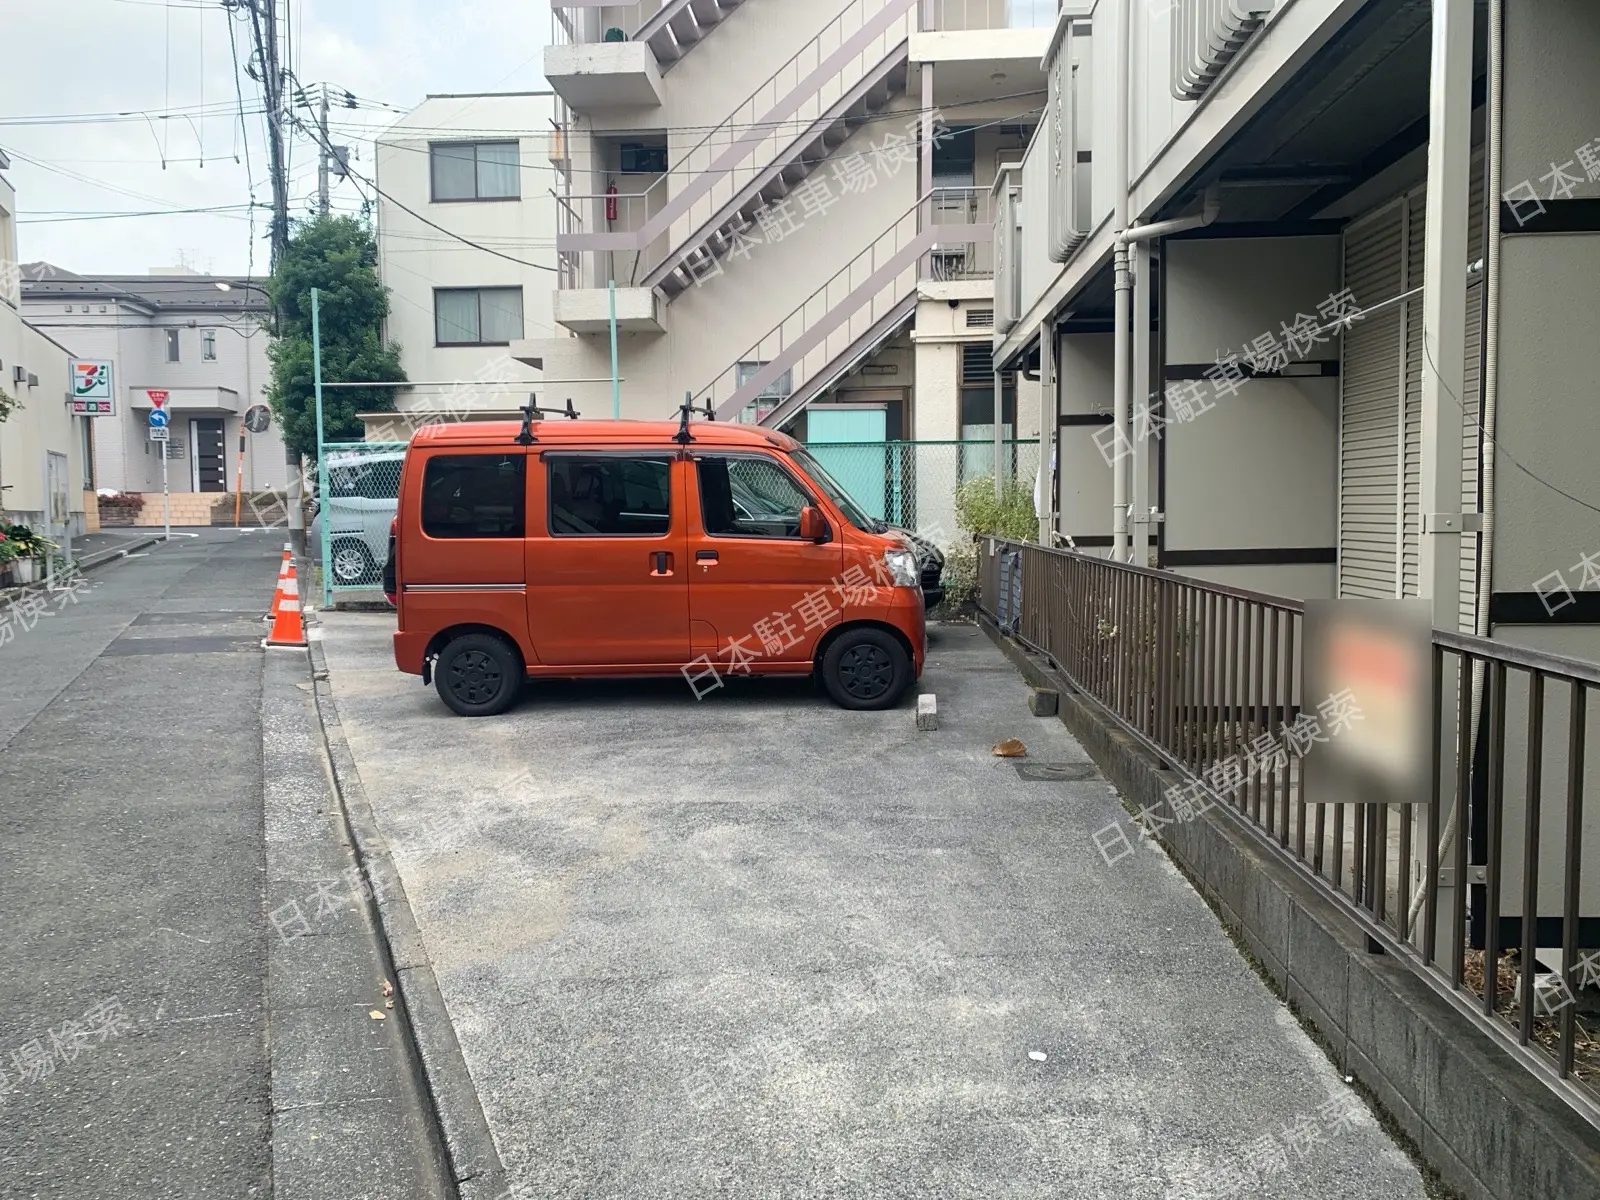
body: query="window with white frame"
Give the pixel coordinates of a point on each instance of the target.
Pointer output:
(172, 345)
(475, 171)
(208, 345)
(477, 316)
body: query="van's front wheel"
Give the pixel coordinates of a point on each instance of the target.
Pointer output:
(866, 668)
(478, 675)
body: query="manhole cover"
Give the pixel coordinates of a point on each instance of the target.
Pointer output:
(1047, 772)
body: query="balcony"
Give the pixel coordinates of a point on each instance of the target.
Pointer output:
(613, 55)
(588, 310)
(600, 75)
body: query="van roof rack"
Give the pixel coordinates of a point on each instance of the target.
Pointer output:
(686, 409)
(532, 412)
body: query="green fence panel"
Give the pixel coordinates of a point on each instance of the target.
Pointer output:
(353, 518)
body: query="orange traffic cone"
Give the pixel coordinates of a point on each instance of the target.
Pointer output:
(288, 627)
(285, 571)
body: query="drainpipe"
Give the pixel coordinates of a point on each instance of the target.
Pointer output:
(1122, 380)
(1494, 120)
(1122, 295)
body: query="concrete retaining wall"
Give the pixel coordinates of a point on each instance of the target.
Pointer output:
(1489, 1128)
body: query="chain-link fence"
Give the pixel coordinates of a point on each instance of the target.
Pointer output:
(910, 484)
(363, 481)
(914, 484)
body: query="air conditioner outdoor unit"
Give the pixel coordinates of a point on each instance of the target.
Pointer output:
(19, 375)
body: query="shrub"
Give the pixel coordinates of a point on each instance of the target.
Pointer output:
(132, 501)
(979, 513)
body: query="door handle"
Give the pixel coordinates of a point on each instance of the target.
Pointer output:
(706, 557)
(663, 563)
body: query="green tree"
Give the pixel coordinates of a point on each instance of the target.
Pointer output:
(338, 256)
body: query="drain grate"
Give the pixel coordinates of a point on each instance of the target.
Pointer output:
(1059, 772)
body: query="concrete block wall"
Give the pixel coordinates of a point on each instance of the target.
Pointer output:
(1483, 1122)
(188, 508)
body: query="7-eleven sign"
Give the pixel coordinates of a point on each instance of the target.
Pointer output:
(158, 399)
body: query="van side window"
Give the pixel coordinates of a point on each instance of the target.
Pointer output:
(474, 496)
(749, 497)
(604, 495)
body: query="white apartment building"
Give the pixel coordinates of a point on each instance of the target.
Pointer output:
(466, 249)
(788, 206)
(195, 340)
(1330, 375)
(44, 450)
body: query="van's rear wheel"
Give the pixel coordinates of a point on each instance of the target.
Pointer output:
(866, 668)
(478, 675)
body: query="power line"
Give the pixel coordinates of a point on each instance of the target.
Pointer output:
(359, 179)
(112, 216)
(1499, 447)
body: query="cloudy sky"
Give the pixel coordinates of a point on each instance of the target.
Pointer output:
(95, 94)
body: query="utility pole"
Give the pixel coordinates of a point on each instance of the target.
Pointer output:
(264, 15)
(264, 32)
(322, 157)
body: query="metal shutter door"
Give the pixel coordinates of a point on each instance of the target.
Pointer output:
(1471, 399)
(1411, 366)
(1369, 410)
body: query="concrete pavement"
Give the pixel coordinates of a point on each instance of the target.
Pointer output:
(755, 946)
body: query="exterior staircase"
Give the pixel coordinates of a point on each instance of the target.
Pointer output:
(680, 25)
(843, 75)
(845, 320)
(787, 169)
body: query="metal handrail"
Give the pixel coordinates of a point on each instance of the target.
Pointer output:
(755, 113)
(1199, 672)
(902, 231)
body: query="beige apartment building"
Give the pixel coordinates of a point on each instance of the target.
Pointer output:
(46, 453)
(1287, 350)
(786, 206)
(466, 248)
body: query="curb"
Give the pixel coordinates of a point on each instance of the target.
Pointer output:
(90, 562)
(438, 1067)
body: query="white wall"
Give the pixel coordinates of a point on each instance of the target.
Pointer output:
(414, 259)
(1257, 470)
(1083, 377)
(39, 423)
(710, 326)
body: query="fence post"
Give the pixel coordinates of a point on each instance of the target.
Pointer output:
(322, 454)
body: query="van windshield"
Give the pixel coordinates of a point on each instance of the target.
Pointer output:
(852, 511)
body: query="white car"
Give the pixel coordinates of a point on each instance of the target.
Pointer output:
(362, 491)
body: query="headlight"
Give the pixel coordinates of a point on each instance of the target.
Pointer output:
(902, 566)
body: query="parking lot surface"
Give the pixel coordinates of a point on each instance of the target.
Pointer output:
(756, 946)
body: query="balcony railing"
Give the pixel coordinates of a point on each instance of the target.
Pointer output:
(1200, 673)
(577, 24)
(940, 236)
(988, 14)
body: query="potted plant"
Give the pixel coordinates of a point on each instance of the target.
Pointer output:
(8, 557)
(28, 548)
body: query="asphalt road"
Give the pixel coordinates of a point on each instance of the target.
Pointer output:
(190, 971)
(757, 947)
(132, 1020)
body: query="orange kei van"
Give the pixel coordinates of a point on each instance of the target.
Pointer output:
(602, 548)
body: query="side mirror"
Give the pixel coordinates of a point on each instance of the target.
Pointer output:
(813, 525)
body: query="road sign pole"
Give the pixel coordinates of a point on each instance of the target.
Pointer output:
(166, 493)
(322, 457)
